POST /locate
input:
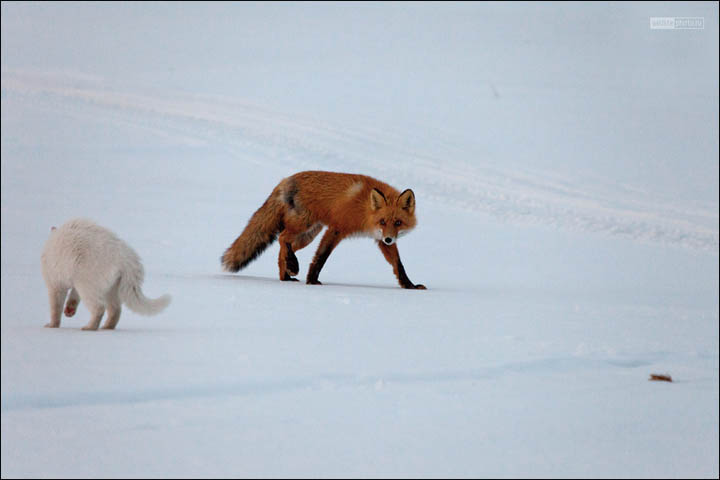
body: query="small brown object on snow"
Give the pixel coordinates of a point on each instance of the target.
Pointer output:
(660, 378)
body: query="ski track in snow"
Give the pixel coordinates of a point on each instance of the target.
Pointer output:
(14, 402)
(302, 143)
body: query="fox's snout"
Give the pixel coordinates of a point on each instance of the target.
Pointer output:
(388, 240)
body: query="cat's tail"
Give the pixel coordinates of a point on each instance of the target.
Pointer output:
(131, 294)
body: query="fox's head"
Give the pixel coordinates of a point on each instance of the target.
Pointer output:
(391, 218)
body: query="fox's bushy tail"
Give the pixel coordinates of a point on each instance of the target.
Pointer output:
(131, 294)
(260, 233)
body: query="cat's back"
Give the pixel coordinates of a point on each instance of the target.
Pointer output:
(80, 242)
(81, 234)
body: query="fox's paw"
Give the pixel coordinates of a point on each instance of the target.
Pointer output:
(420, 287)
(52, 325)
(90, 327)
(314, 282)
(292, 268)
(288, 278)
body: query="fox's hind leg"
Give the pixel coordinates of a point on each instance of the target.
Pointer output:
(72, 303)
(56, 295)
(114, 308)
(288, 265)
(291, 243)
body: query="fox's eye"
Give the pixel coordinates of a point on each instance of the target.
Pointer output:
(398, 223)
(382, 221)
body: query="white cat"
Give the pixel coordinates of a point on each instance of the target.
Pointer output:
(97, 267)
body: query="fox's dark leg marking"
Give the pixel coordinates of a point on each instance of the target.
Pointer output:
(329, 241)
(293, 267)
(286, 255)
(391, 254)
(287, 261)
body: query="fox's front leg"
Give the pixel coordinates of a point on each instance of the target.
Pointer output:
(391, 254)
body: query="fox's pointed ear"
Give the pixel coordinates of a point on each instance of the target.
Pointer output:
(377, 199)
(406, 201)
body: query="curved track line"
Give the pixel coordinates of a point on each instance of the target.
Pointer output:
(462, 181)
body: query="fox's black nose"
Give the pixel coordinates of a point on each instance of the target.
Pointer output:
(388, 240)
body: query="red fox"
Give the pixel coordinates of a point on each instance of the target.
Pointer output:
(348, 204)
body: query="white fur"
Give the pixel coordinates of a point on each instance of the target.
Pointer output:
(97, 267)
(354, 189)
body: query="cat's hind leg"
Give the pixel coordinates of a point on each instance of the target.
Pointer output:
(96, 313)
(72, 303)
(56, 295)
(114, 307)
(95, 302)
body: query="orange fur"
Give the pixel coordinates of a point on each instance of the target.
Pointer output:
(348, 204)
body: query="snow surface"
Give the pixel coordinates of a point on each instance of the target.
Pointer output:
(564, 161)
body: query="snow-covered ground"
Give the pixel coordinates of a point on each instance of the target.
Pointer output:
(564, 160)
